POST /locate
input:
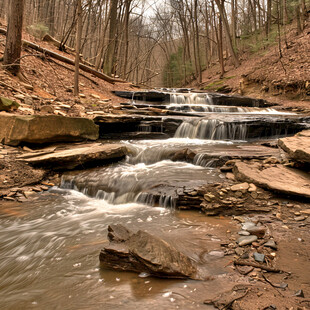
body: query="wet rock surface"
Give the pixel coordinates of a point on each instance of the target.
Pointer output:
(143, 252)
(82, 156)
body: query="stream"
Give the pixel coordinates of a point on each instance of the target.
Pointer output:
(50, 245)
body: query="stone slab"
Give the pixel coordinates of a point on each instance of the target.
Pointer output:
(39, 129)
(277, 178)
(297, 147)
(80, 156)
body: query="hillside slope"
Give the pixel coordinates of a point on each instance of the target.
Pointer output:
(264, 74)
(49, 85)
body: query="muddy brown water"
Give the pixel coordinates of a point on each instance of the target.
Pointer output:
(50, 248)
(50, 245)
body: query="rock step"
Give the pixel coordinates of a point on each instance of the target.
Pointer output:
(217, 99)
(82, 156)
(252, 126)
(297, 147)
(277, 178)
(39, 129)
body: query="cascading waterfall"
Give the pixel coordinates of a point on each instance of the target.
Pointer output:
(206, 108)
(198, 99)
(165, 201)
(212, 130)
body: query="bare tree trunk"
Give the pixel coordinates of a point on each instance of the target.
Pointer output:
(299, 29)
(78, 47)
(109, 63)
(268, 22)
(233, 22)
(14, 36)
(220, 5)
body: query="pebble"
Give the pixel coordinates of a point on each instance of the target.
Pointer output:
(252, 188)
(243, 233)
(258, 231)
(245, 240)
(254, 195)
(300, 218)
(239, 218)
(299, 293)
(238, 194)
(271, 244)
(259, 257)
(248, 225)
(217, 253)
(230, 176)
(307, 211)
(240, 187)
(239, 251)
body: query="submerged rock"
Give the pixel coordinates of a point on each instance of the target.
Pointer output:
(143, 252)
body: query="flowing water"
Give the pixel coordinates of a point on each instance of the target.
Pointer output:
(50, 245)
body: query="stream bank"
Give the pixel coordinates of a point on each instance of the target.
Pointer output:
(153, 185)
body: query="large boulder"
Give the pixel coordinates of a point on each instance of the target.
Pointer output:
(143, 252)
(8, 104)
(85, 156)
(297, 147)
(38, 129)
(277, 178)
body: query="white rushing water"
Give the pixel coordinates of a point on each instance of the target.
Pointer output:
(211, 129)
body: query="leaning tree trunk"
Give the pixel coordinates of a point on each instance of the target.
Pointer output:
(14, 36)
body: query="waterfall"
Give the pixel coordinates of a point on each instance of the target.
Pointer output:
(205, 108)
(212, 130)
(198, 99)
(165, 201)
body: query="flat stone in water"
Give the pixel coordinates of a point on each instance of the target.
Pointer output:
(259, 257)
(245, 240)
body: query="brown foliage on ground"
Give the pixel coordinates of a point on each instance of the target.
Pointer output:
(52, 82)
(264, 74)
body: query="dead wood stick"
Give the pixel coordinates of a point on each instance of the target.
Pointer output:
(12, 88)
(229, 304)
(69, 61)
(255, 265)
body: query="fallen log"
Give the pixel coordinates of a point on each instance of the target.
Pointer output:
(50, 39)
(67, 60)
(62, 47)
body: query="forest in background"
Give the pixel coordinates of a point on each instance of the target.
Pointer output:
(165, 42)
